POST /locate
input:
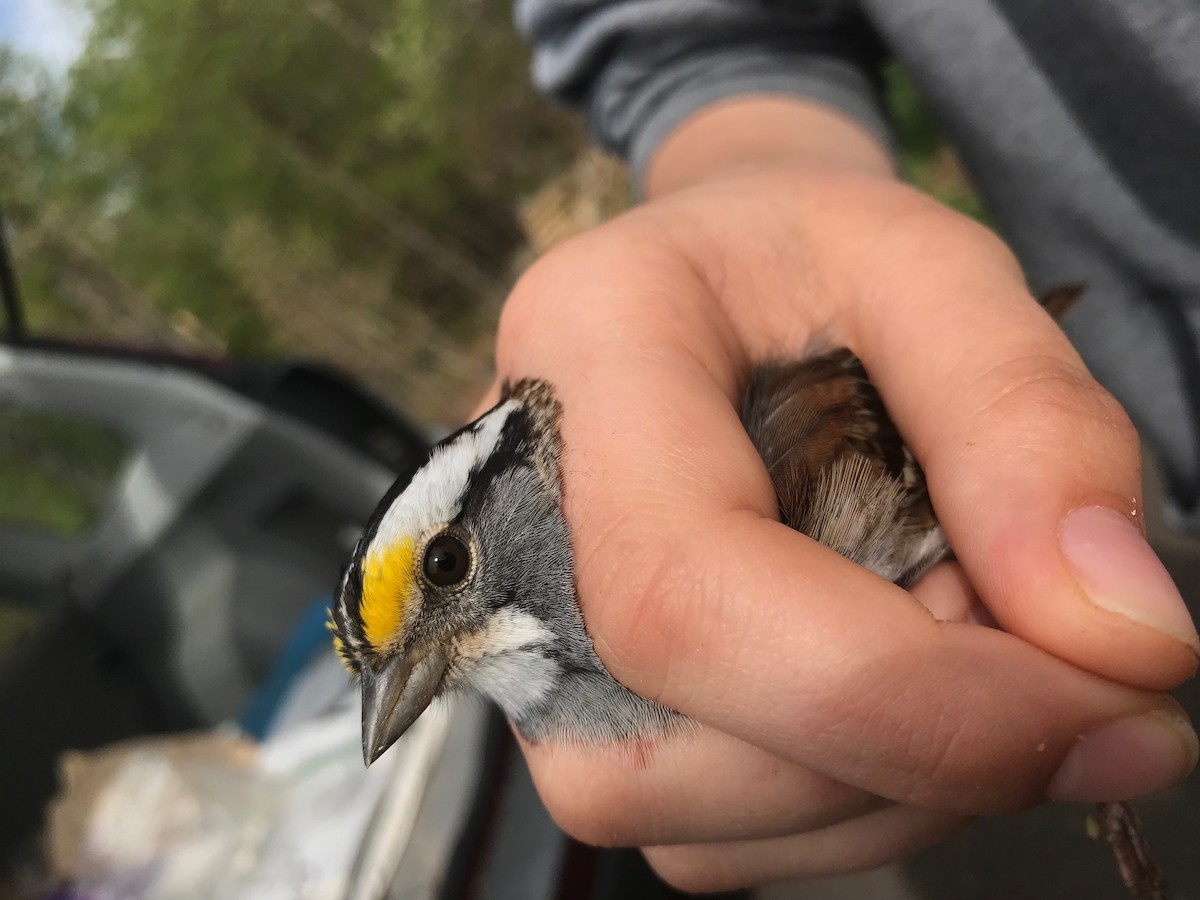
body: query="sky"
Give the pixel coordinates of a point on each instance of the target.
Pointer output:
(51, 30)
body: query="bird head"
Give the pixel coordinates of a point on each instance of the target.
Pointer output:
(461, 572)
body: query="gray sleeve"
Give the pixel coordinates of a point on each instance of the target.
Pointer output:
(637, 68)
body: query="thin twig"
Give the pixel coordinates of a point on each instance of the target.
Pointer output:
(1119, 827)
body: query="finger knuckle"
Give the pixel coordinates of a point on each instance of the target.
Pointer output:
(1039, 398)
(592, 297)
(923, 228)
(940, 760)
(636, 618)
(1109, 411)
(953, 762)
(689, 869)
(597, 818)
(587, 258)
(541, 289)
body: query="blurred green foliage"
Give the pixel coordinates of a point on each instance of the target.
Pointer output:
(335, 177)
(15, 621)
(56, 473)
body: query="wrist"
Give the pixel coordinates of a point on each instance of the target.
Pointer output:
(758, 132)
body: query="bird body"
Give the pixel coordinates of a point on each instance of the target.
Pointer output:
(510, 626)
(464, 579)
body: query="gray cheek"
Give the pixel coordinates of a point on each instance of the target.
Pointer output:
(524, 544)
(526, 564)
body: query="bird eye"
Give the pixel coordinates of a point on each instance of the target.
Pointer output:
(447, 560)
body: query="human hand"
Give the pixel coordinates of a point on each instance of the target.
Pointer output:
(820, 689)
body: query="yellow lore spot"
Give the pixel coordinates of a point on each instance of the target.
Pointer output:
(389, 585)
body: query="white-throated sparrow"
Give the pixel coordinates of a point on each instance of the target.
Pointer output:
(464, 578)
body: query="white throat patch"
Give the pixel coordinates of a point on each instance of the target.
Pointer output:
(509, 661)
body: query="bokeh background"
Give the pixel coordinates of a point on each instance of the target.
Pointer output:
(354, 180)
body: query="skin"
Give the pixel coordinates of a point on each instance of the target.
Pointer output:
(845, 723)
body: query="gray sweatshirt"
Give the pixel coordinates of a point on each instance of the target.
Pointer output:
(1078, 121)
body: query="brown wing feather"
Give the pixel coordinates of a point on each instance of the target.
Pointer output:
(841, 472)
(1060, 300)
(842, 475)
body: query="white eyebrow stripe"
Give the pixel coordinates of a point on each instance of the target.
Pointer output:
(435, 494)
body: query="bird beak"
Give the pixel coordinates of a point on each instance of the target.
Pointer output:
(394, 695)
